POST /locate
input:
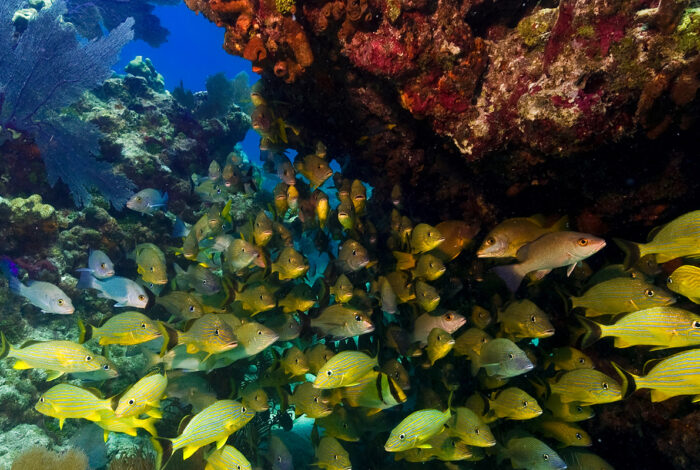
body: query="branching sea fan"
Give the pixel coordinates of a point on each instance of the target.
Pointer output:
(42, 71)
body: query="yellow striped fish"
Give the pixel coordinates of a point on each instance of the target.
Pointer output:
(344, 369)
(56, 357)
(126, 425)
(214, 423)
(227, 458)
(331, 455)
(568, 433)
(678, 238)
(620, 295)
(143, 397)
(416, 429)
(686, 281)
(663, 327)
(208, 333)
(126, 328)
(64, 401)
(587, 386)
(376, 391)
(513, 403)
(675, 375)
(471, 429)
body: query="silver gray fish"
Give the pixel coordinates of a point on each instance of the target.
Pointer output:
(48, 297)
(126, 292)
(147, 201)
(99, 265)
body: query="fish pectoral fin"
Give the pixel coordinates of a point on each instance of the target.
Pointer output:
(571, 268)
(21, 365)
(622, 343)
(93, 416)
(696, 399)
(221, 442)
(192, 349)
(154, 413)
(120, 304)
(188, 451)
(373, 411)
(695, 300)
(424, 445)
(105, 435)
(60, 423)
(53, 375)
(660, 395)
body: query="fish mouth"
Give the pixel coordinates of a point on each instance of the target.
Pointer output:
(547, 333)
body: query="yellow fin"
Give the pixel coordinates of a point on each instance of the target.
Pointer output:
(53, 375)
(60, 423)
(188, 451)
(21, 365)
(623, 343)
(221, 442)
(191, 348)
(660, 395)
(154, 413)
(105, 435)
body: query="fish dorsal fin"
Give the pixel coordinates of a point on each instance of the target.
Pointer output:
(95, 391)
(183, 423)
(538, 219)
(650, 364)
(30, 342)
(654, 232)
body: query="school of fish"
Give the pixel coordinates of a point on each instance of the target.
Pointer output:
(366, 331)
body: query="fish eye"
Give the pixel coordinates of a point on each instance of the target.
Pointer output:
(329, 373)
(218, 191)
(545, 456)
(103, 265)
(649, 292)
(490, 241)
(41, 399)
(476, 431)
(696, 324)
(402, 436)
(105, 367)
(524, 403)
(439, 337)
(605, 385)
(243, 409)
(216, 332)
(191, 308)
(583, 361)
(579, 436)
(204, 282)
(579, 409)
(259, 332)
(669, 280)
(335, 456)
(510, 356)
(354, 252)
(315, 399)
(88, 358)
(279, 458)
(448, 317)
(582, 241)
(289, 260)
(143, 325)
(131, 402)
(142, 297)
(138, 198)
(358, 317)
(533, 319)
(152, 269)
(430, 234)
(396, 374)
(261, 297)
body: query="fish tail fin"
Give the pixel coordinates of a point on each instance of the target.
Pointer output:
(164, 450)
(404, 261)
(164, 198)
(4, 346)
(593, 331)
(627, 380)
(149, 425)
(86, 281)
(86, 331)
(178, 270)
(561, 224)
(180, 230)
(152, 359)
(170, 338)
(15, 285)
(9, 270)
(632, 251)
(510, 274)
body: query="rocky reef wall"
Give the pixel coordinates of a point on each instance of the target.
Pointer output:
(488, 108)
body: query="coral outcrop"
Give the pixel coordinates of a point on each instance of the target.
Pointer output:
(415, 90)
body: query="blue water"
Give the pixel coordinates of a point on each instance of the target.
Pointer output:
(192, 53)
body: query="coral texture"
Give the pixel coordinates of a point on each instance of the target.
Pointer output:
(36, 83)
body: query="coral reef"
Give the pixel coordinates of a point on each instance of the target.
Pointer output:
(39, 458)
(36, 86)
(415, 90)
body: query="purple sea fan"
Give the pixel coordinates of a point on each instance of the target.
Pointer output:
(45, 69)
